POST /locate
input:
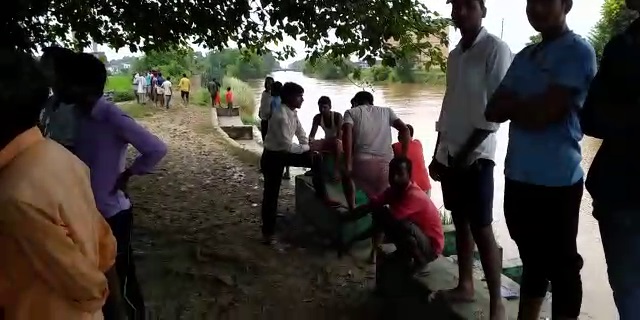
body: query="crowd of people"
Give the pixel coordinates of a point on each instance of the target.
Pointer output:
(551, 92)
(154, 88)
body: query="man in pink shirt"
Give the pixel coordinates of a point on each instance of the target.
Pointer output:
(406, 216)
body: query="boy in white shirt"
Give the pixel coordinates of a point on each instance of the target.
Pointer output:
(168, 91)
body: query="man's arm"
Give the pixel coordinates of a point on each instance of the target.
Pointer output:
(314, 127)
(303, 141)
(338, 118)
(347, 141)
(151, 148)
(403, 131)
(604, 114)
(498, 64)
(265, 106)
(54, 256)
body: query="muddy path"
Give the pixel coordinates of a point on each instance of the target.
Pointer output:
(197, 244)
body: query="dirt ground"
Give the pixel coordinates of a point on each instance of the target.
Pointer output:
(197, 245)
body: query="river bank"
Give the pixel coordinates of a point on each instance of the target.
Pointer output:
(197, 238)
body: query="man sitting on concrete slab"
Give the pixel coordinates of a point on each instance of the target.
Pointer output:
(406, 216)
(280, 151)
(331, 123)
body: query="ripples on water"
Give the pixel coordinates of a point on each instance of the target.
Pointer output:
(419, 106)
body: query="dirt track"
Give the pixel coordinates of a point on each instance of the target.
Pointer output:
(197, 239)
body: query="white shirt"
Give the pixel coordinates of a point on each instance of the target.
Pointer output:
(140, 82)
(371, 130)
(166, 87)
(472, 77)
(283, 125)
(265, 105)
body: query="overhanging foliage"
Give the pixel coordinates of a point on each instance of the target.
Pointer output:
(362, 27)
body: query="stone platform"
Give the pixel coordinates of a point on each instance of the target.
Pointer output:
(327, 221)
(227, 112)
(233, 127)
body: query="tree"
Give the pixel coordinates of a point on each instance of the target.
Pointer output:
(614, 20)
(242, 64)
(173, 62)
(149, 25)
(536, 38)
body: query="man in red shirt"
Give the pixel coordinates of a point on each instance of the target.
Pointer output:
(406, 216)
(419, 173)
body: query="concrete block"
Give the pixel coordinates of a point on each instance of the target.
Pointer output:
(239, 132)
(327, 221)
(449, 240)
(226, 112)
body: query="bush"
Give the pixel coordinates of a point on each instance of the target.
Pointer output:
(242, 97)
(119, 83)
(201, 97)
(121, 96)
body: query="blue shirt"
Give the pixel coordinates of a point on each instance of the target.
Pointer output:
(276, 102)
(148, 79)
(551, 156)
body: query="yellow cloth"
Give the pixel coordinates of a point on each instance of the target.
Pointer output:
(55, 245)
(185, 84)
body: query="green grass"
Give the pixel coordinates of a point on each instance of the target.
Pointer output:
(137, 111)
(119, 83)
(242, 98)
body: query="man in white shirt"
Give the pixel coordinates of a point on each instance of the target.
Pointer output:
(280, 151)
(168, 91)
(466, 147)
(366, 140)
(141, 81)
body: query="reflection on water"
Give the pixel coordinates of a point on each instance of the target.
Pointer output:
(417, 105)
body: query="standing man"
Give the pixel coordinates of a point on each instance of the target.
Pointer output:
(168, 91)
(466, 148)
(415, 153)
(56, 247)
(185, 88)
(542, 94)
(265, 106)
(366, 140)
(280, 151)
(148, 85)
(104, 134)
(611, 113)
(213, 86)
(140, 82)
(331, 124)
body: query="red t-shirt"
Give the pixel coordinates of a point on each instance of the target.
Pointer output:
(419, 173)
(416, 206)
(229, 96)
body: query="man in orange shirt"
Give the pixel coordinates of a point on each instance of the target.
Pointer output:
(56, 247)
(419, 172)
(406, 216)
(229, 98)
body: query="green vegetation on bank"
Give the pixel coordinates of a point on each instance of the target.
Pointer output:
(244, 65)
(380, 74)
(328, 69)
(615, 18)
(242, 97)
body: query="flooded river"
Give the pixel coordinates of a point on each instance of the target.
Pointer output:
(419, 106)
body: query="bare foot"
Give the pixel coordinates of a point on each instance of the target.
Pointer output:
(458, 295)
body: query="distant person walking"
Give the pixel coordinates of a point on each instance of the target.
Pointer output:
(159, 90)
(135, 86)
(148, 84)
(185, 88)
(168, 91)
(228, 97)
(265, 106)
(141, 82)
(213, 86)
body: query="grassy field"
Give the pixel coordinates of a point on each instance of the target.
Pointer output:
(119, 83)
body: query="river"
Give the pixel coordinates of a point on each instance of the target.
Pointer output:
(419, 106)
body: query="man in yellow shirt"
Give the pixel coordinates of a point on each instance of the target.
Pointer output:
(185, 87)
(56, 246)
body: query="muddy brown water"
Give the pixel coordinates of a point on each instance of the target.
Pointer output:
(419, 106)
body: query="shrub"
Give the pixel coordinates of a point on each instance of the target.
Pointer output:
(120, 96)
(201, 97)
(242, 97)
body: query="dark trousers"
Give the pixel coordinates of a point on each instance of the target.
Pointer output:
(264, 126)
(543, 222)
(121, 225)
(405, 235)
(273, 164)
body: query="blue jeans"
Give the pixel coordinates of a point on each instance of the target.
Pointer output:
(620, 232)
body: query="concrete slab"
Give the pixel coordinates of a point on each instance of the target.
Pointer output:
(228, 112)
(234, 128)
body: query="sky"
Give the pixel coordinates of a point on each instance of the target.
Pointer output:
(516, 32)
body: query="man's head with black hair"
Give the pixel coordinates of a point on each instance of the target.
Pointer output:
(363, 98)
(324, 104)
(268, 82)
(24, 93)
(467, 15)
(292, 95)
(410, 127)
(548, 16)
(276, 88)
(399, 174)
(168, 78)
(55, 60)
(84, 84)
(184, 75)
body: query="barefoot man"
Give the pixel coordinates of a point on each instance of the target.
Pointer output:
(366, 138)
(331, 124)
(466, 148)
